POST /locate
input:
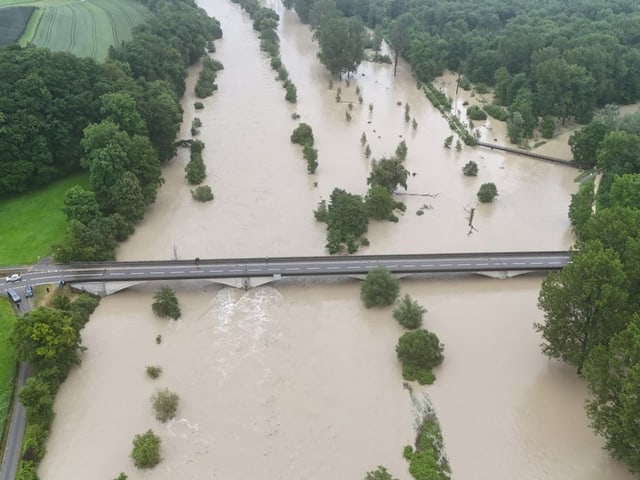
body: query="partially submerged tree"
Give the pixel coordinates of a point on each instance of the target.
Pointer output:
(380, 288)
(419, 351)
(165, 404)
(409, 313)
(487, 192)
(165, 303)
(146, 450)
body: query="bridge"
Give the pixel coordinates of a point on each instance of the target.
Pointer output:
(537, 156)
(109, 277)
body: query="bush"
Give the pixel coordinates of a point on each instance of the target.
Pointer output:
(276, 63)
(409, 313)
(302, 135)
(165, 304)
(202, 193)
(310, 154)
(292, 93)
(153, 371)
(33, 444)
(419, 351)
(27, 471)
(379, 473)
(548, 127)
(196, 170)
(497, 112)
(198, 105)
(487, 192)
(122, 476)
(474, 112)
(470, 169)
(380, 288)
(165, 404)
(401, 151)
(464, 83)
(146, 450)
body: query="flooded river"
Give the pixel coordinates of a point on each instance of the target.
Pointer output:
(298, 380)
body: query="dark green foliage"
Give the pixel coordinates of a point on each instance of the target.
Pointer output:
(470, 169)
(165, 404)
(165, 304)
(388, 173)
(497, 112)
(153, 371)
(206, 84)
(547, 127)
(310, 154)
(379, 473)
(487, 192)
(419, 351)
(581, 206)
(291, 94)
(202, 193)
(613, 374)
(122, 476)
(27, 470)
(302, 135)
(346, 218)
(474, 112)
(381, 205)
(437, 98)
(584, 143)
(585, 304)
(401, 151)
(448, 141)
(341, 42)
(196, 170)
(379, 289)
(198, 105)
(427, 461)
(409, 313)
(36, 396)
(146, 450)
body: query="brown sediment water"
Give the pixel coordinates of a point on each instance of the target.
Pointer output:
(298, 380)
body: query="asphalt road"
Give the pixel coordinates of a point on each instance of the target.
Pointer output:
(286, 267)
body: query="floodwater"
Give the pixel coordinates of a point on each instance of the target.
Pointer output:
(298, 380)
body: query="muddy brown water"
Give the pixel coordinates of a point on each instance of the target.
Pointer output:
(298, 380)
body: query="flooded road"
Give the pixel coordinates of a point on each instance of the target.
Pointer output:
(298, 380)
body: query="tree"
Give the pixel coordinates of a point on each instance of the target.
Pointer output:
(401, 151)
(380, 288)
(419, 351)
(581, 206)
(37, 398)
(409, 313)
(121, 109)
(585, 142)
(80, 205)
(302, 135)
(341, 42)
(202, 193)
(583, 305)
(128, 199)
(612, 373)
(146, 450)
(487, 192)
(381, 205)
(165, 404)
(47, 340)
(612, 227)
(400, 36)
(547, 127)
(625, 191)
(388, 173)
(470, 169)
(165, 304)
(347, 220)
(122, 476)
(379, 473)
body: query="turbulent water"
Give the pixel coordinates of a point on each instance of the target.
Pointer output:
(298, 380)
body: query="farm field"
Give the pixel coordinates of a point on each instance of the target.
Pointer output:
(33, 221)
(85, 28)
(12, 23)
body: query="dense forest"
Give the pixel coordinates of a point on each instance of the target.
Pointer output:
(554, 59)
(118, 120)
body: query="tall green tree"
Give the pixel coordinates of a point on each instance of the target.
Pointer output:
(400, 36)
(388, 173)
(380, 288)
(341, 42)
(165, 304)
(584, 304)
(613, 374)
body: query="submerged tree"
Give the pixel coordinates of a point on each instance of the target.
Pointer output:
(165, 303)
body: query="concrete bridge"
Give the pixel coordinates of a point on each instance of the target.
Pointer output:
(105, 278)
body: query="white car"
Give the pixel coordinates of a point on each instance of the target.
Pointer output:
(13, 278)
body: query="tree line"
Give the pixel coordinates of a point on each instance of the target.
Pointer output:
(552, 59)
(592, 306)
(126, 119)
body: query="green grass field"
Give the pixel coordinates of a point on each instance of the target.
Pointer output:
(85, 28)
(7, 358)
(34, 221)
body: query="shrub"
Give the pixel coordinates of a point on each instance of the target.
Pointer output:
(153, 371)
(419, 351)
(448, 141)
(196, 170)
(276, 63)
(470, 169)
(548, 127)
(202, 193)
(497, 112)
(487, 192)
(122, 476)
(302, 135)
(33, 444)
(165, 404)
(146, 450)
(198, 105)
(165, 303)
(380, 288)
(291, 94)
(401, 151)
(474, 112)
(310, 154)
(409, 313)
(379, 473)
(27, 471)
(464, 83)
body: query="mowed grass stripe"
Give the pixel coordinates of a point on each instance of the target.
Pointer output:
(8, 360)
(84, 35)
(34, 221)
